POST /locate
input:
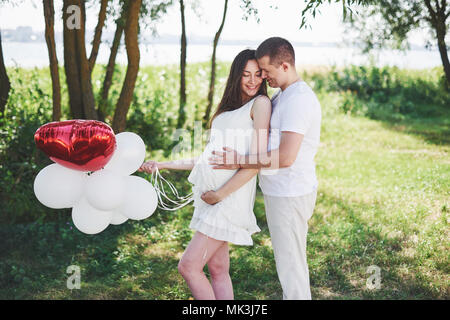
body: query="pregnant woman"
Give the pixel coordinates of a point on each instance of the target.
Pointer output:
(224, 199)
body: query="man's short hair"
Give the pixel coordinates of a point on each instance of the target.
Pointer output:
(278, 49)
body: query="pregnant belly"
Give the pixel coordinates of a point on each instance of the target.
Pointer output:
(203, 175)
(212, 179)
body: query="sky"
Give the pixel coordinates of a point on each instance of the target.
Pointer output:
(283, 21)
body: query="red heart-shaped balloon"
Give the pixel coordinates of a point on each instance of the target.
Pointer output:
(85, 145)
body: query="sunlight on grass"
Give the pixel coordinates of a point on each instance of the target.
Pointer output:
(383, 200)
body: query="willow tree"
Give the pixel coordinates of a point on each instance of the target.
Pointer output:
(76, 63)
(98, 34)
(398, 19)
(107, 80)
(212, 79)
(5, 84)
(77, 66)
(249, 10)
(49, 16)
(134, 13)
(150, 14)
(183, 49)
(133, 55)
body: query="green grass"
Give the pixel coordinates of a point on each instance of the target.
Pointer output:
(383, 200)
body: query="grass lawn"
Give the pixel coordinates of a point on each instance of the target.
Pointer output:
(383, 200)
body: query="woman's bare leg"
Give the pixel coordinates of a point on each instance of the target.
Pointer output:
(219, 268)
(194, 258)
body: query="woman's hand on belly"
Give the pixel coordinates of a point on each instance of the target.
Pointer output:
(211, 197)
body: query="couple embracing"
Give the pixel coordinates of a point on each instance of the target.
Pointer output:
(251, 135)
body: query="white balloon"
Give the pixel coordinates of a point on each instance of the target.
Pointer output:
(118, 218)
(88, 219)
(104, 190)
(129, 154)
(58, 187)
(140, 198)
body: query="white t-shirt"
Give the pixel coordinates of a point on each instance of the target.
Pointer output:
(295, 109)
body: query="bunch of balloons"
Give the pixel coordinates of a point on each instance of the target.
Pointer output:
(92, 174)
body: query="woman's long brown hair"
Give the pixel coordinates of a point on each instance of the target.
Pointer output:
(232, 97)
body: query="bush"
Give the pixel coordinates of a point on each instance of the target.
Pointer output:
(20, 160)
(30, 106)
(151, 125)
(386, 93)
(381, 93)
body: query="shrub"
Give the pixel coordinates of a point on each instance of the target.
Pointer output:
(20, 160)
(386, 93)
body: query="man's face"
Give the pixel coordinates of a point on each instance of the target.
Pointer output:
(274, 75)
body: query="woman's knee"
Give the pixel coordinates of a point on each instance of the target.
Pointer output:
(183, 267)
(218, 269)
(186, 268)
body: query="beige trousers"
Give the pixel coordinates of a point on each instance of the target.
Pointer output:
(287, 218)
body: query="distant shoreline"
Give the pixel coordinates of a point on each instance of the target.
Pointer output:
(300, 67)
(28, 35)
(35, 54)
(250, 43)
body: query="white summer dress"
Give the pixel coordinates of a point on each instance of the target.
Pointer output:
(231, 219)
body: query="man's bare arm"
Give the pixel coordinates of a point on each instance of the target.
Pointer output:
(282, 157)
(262, 110)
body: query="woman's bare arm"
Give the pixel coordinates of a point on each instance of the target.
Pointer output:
(184, 164)
(262, 110)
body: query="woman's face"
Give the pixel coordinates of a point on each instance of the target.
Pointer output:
(251, 80)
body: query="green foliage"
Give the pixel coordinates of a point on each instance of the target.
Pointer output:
(150, 125)
(152, 115)
(152, 12)
(313, 7)
(383, 178)
(386, 93)
(27, 109)
(399, 19)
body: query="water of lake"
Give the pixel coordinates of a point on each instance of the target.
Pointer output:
(34, 54)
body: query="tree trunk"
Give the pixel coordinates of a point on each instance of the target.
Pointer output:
(85, 72)
(444, 57)
(133, 55)
(213, 68)
(107, 81)
(181, 111)
(76, 65)
(71, 69)
(5, 85)
(98, 34)
(440, 33)
(438, 17)
(49, 14)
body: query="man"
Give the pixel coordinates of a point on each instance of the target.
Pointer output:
(287, 177)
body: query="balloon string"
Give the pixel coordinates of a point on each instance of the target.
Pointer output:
(158, 183)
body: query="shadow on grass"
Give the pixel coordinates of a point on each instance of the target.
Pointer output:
(138, 260)
(428, 121)
(342, 245)
(119, 263)
(432, 130)
(34, 257)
